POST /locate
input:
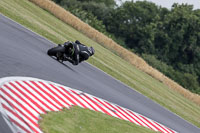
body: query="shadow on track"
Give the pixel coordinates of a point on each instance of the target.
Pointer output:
(64, 64)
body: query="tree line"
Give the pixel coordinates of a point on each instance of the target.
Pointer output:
(168, 39)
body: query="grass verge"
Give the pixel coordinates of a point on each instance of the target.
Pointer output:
(47, 25)
(79, 120)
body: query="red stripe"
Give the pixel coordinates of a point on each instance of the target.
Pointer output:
(65, 95)
(60, 94)
(85, 100)
(43, 95)
(170, 130)
(52, 97)
(98, 105)
(25, 101)
(109, 108)
(73, 97)
(23, 115)
(161, 127)
(92, 102)
(15, 114)
(15, 100)
(151, 123)
(34, 95)
(32, 101)
(129, 115)
(120, 112)
(40, 96)
(141, 120)
(19, 125)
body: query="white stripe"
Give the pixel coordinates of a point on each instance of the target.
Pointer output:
(71, 97)
(113, 109)
(24, 97)
(78, 47)
(22, 116)
(157, 125)
(86, 99)
(40, 97)
(162, 126)
(60, 95)
(32, 97)
(86, 52)
(14, 117)
(121, 112)
(168, 129)
(28, 101)
(18, 106)
(126, 113)
(46, 93)
(108, 110)
(18, 121)
(135, 119)
(143, 124)
(82, 101)
(90, 101)
(146, 122)
(64, 94)
(49, 93)
(7, 120)
(95, 101)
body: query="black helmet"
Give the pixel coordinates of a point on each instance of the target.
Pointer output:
(77, 42)
(91, 50)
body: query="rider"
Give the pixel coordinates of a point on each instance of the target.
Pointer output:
(77, 52)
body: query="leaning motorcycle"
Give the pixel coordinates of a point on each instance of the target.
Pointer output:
(60, 52)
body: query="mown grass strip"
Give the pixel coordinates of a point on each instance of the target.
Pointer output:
(47, 25)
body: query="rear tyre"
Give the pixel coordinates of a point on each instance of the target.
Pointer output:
(54, 51)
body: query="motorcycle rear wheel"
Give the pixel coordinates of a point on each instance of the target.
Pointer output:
(54, 51)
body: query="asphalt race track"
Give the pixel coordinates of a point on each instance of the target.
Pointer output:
(23, 53)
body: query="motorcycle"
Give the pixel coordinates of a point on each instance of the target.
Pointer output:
(59, 52)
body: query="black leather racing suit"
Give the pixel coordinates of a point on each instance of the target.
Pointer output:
(81, 52)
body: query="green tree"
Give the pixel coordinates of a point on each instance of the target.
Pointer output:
(178, 36)
(109, 3)
(135, 23)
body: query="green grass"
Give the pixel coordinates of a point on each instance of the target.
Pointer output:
(55, 30)
(79, 120)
